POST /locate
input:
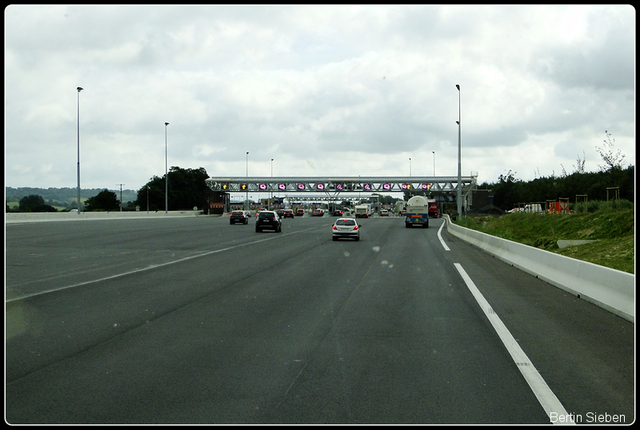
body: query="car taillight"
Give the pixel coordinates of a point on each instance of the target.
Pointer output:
(335, 228)
(355, 228)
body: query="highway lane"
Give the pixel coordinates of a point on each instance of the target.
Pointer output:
(214, 323)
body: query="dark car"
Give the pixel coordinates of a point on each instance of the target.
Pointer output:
(280, 213)
(317, 212)
(338, 212)
(299, 212)
(288, 213)
(268, 220)
(239, 216)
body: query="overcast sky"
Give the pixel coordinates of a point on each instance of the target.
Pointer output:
(321, 90)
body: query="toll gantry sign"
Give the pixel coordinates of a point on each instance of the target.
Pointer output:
(349, 184)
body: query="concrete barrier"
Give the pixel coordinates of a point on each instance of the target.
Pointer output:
(610, 289)
(13, 217)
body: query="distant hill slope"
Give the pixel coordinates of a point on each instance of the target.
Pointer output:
(63, 195)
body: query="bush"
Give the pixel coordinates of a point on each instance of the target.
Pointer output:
(599, 205)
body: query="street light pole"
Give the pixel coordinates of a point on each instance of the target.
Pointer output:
(78, 104)
(271, 193)
(166, 173)
(121, 196)
(246, 194)
(409, 166)
(459, 197)
(434, 162)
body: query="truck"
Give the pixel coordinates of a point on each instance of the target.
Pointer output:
(363, 211)
(417, 212)
(433, 208)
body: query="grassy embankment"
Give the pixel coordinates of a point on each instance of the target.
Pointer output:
(612, 228)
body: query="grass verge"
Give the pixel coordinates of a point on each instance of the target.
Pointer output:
(613, 229)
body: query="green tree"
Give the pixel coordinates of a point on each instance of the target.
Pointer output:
(105, 201)
(187, 189)
(34, 203)
(508, 191)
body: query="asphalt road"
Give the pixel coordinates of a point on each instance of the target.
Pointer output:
(193, 320)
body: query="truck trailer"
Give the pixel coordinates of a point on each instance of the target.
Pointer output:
(417, 212)
(363, 211)
(433, 208)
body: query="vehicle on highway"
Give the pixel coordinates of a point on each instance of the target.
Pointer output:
(317, 212)
(299, 212)
(280, 213)
(363, 210)
(288, 213)
(338, 212)
(239, 217)
(384, 212)
(268, 220)
(346, 227)
(417, 212)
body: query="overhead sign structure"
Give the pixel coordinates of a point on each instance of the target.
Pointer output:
(355, 184)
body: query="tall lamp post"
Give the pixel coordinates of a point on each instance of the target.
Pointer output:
(271, 193)
(78, 104)
(434, 162)
(409, 166)
(459, 198)
(166, 173)
(246, 194)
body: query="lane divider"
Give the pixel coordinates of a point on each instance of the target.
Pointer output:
(444, 245)
(546, 397)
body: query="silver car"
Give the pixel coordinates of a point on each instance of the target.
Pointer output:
(346, 227)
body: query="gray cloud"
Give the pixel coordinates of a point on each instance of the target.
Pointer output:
(301, 84)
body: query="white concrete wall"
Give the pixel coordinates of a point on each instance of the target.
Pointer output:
(610, 289)
(74, 216)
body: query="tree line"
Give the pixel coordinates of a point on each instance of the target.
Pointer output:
(612, 181)
(510, 191)
(187, 189)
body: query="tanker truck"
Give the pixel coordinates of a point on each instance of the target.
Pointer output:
(417, 212)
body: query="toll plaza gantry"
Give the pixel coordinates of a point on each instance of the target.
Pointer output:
(333, 186)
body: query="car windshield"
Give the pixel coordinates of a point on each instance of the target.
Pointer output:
(345, 222)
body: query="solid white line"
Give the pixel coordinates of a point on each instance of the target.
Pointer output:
(546, 397)
(154, 266)
(444, 245)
